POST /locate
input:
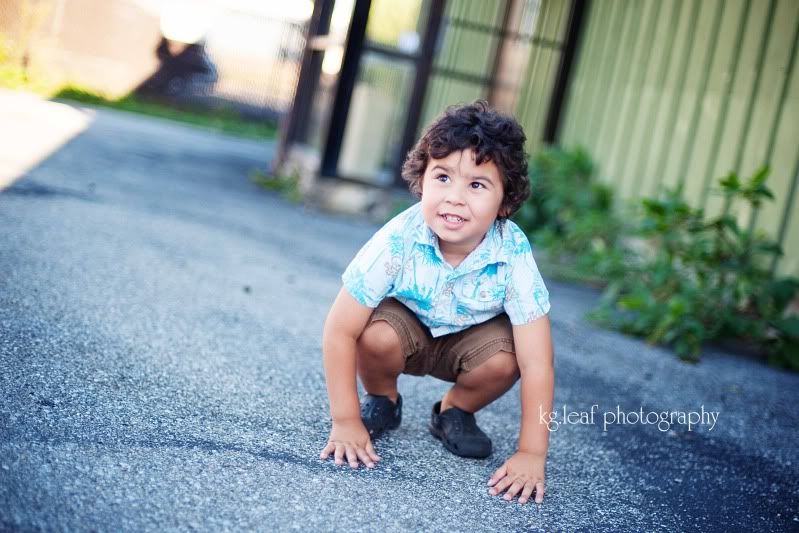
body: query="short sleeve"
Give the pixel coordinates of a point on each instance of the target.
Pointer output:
(526, 296)
(371, 274)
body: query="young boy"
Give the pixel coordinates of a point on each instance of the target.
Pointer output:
(448, 288)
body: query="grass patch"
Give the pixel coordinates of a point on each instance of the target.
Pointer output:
(222, 119)
(15, 78)
(286, 186)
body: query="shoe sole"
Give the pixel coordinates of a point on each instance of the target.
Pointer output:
(440, 436)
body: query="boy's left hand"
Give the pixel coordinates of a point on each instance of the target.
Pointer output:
(522, 472)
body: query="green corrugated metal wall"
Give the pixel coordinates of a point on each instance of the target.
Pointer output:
(473, 51)
(683, 91)
(466, 50)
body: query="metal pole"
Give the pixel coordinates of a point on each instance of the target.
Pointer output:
(424, 67)
(573, 35)
(344, 88)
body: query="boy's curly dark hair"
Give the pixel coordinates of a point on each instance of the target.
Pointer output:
(492, 136)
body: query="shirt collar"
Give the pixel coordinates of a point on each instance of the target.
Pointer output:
(492, 249)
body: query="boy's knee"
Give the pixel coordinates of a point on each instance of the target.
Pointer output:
(503, 365)
(379, 338)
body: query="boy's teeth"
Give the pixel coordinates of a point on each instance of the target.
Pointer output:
(453, 218)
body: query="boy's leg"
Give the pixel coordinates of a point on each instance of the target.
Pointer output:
(380, 359)
(393, 343)
(481, 361)
(480, 386)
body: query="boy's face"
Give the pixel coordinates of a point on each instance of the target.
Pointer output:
(461, 200)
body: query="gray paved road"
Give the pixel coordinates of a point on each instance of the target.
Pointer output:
(160, 323)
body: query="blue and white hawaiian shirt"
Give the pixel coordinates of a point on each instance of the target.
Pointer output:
(403, 261)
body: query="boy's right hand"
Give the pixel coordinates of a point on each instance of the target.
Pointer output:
(351, 439)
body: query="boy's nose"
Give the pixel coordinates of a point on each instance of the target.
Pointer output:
(455, 195)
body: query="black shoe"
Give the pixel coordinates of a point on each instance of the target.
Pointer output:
(458, 431)
(379, 413)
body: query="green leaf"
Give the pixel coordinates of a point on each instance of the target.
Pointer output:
(731, 182)
(631, 303)
(660, 330)
(769, 247)
(783, 291)
(788, 326)
(758, 178)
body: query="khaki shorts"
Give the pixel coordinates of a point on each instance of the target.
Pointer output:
(447, 356)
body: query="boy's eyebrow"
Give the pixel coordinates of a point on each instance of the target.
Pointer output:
(442, 167)
(447, 169)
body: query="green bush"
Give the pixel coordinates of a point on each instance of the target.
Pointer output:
(670, 274)
(570, 215)
(705, 279)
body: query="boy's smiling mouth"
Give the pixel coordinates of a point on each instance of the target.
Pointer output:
(452, 221)
(455, 219)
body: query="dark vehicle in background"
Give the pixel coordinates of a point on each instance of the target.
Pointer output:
(185, 71)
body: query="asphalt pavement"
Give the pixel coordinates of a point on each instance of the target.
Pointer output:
(160, 367)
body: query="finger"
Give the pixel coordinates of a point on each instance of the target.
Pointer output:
(327, 450)
(363, 455)
(339, 454)
(514, 489)
(352, 457)
(539, 492)
(496, 489)
(497, 475)
(370, 449)
(526, 492)
(501, 485)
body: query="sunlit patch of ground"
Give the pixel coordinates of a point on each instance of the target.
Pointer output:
(24, 142)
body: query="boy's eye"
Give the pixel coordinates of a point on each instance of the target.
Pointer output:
(477, 185)
(442, 178)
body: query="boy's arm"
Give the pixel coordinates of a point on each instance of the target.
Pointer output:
(535, 358)
(524, 471)
(345, 322)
